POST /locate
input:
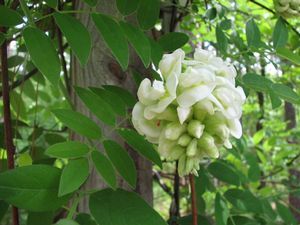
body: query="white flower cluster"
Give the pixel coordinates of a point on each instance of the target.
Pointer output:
(288, 8)
(193, 111)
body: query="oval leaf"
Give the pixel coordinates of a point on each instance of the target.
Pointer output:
(221, 210)
(121, 160)
(122, 208)
(79, 123)
(280, 34)
(85, 219)
(117, 104)
(289, 55)
(138, 143)
(69, 149)
(253, 34)
(256, 82)
(148, 13)
(114, 37)
(223, 172)
(47, 60)
(123, 94)
(32, 187)
(98, 107)
(9, 17)
(73, 176)
(127, 7)
(139, 41)
(105, 168)
(172, 41)
(76, 34)
(286, 93)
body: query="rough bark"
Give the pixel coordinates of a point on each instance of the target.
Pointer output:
(101, 69)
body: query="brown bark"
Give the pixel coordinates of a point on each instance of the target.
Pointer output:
(101, 69)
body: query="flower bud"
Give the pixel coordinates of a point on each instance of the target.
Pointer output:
(207, 144)
(176, 153)
(192, 148)
(202, 108)
(181, 165)
(195, 128)
(184, 140)
(174, 130)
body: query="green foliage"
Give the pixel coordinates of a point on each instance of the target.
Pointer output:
(105, 168)
(172, 41)
(121, 207)
(147, 13)
(121, 161)
(9, 17)
(69, 149)
(73, 176)
(46, 61)
(29, 187)
(76, 34)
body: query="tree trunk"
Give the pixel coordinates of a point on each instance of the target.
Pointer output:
(101, 69)
(290, 118)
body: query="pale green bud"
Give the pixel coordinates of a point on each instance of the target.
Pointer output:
(192, 148)
(202, 108)
(174, 130)
(190, 163)
(181, 165)
(207, 144)
(195, 128)
(176, 153)
(184, 140)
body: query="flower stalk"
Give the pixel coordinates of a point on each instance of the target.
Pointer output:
(193, 200)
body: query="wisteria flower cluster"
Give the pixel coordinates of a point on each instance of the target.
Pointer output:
(193, 111)
(288, 8)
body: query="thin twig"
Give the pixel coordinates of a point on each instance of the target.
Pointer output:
(7, 116)
(157, 177)
(194, 201)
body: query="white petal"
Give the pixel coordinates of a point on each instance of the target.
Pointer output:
(171, 63)
(152, 110)
(192, 95)
(148, 94)
(183, 113)
(235, 128)
(194, 76)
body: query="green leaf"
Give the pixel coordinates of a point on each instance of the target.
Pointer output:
(85, 219)
(138, 143)
(91, 3)
(2, 38)
(122, 208)
(15, 61)
(104, 168)
(69, 149)
(32, 187)
(97, 105)
(289, 55)
(268, 210)
(113, 36)
(156, 52)
(280, 34)
(3, 209)
(285, 213)
(9, 17)
(286, 93)
(78, 123)
(243, 200)
(73, 176)
(275, 101)
(139, 41)
(242, 220)
(256, 82)
(127, 7)
(148, 13)
(222, 41)
(123, 94)
(221, 210)
(34, 218)
(76, 34)
(116, 104)
(211, 13)
(224, 172)
(253, 34)
(66, 222)
(121, 160)
(51, 3)
(172, 41)
(254, 170)
(47, 60)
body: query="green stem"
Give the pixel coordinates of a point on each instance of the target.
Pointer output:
(73, 208)
(27, 12)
